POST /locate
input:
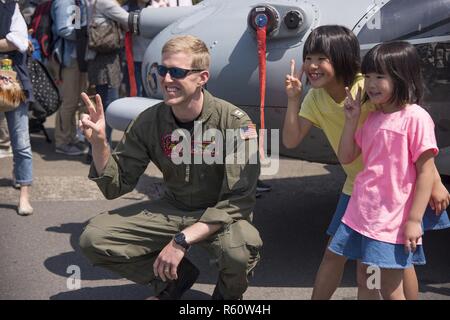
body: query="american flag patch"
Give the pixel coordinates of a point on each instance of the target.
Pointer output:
(248, 132)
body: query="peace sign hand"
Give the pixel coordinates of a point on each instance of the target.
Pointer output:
(352, 107)
(293, 82)
(93, 125)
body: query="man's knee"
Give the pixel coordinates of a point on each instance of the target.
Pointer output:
(91, 241)
(241, 246)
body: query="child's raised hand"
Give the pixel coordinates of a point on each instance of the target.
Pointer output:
(293, 82)
(352, 107)
(413, 232)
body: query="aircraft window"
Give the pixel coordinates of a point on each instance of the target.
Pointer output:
(406, 20)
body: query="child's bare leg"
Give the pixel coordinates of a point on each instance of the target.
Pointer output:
(410, 284)
(364, 293)
(392, 284)
(328, 276)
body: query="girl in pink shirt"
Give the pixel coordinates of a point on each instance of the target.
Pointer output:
(331, 61)
(382, 225)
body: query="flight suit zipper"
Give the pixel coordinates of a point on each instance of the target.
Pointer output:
(187, 176)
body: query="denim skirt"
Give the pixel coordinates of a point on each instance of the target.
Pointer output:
(431, 221)
(353, 245)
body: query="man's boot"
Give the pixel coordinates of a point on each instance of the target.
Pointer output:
(218, 296)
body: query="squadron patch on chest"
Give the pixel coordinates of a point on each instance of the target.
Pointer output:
(167, 144)
(196, 147)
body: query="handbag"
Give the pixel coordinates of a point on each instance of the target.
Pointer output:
(45, 90)
(11, 93)
(106, 36)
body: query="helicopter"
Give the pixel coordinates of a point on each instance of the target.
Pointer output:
(229, 28)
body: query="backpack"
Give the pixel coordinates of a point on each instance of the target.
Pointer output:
(41, 24)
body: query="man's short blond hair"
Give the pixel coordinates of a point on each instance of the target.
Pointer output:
(192, 46)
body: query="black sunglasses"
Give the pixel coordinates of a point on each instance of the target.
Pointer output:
(175, 72)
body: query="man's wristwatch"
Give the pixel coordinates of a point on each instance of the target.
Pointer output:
(180, 239)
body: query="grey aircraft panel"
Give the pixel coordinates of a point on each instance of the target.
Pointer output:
(224, 27)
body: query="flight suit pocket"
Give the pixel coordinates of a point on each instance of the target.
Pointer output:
(237, 248)
(154, 217)
(173, 173)
(243, 233)
(235, 178)
(243, 247)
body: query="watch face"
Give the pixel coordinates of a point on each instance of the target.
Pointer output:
(180, 239)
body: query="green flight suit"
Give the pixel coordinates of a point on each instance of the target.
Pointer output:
(128, 240)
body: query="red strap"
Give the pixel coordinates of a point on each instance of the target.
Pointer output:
(37, 19)
(261, 40)
(41, 9)
(130, 64)
(44, 39)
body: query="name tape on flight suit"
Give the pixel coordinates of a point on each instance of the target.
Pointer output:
(238, 113)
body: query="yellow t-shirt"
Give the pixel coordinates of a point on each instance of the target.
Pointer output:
(319, 108)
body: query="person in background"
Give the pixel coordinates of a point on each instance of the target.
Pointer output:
(72, 72)
(104, 69)
(140, 43)
(14, 44)
(5, 142)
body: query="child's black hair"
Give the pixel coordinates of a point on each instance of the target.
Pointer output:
(400, 60)
(340, 45)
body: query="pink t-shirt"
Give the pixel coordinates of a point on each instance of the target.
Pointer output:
(383, 191)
